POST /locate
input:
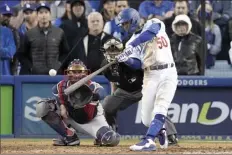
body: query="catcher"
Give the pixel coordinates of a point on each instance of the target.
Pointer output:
(80, 111)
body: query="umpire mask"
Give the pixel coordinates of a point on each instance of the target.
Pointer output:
(112, 48)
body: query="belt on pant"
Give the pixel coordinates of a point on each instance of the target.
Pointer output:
(160, 67)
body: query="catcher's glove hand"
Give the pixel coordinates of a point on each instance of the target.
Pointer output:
(80, 97)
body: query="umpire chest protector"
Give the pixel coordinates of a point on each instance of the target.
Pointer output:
(129, 79)
(79, 103)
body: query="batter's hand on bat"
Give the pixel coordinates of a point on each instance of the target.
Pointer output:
(63, 111)
(124, 56)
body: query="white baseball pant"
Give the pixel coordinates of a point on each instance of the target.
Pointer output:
(159, 87)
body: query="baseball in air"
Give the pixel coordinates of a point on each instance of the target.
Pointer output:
(52, 72)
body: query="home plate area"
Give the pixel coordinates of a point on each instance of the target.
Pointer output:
(42, 146)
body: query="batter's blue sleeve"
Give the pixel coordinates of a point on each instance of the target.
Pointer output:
(134, 63)
(147, 35)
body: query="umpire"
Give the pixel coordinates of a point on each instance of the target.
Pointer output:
(126, 84)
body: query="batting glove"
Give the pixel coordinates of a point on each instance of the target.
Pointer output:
(124, 56)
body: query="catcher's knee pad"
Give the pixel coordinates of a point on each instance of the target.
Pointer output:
(108, 137)
(44, 106)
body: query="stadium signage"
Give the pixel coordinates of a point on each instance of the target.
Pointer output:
(198, 113)
(192, 82)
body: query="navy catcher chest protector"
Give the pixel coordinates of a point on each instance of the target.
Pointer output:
(78, 103)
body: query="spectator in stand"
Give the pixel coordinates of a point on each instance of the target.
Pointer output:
(222, 10)
(134, 4)
(30, 18)
(144, 11)
(160, 9)
(17, 20)
(186, 47)
(88, 50)
(95, 5)
(59, 8)
(45, 46)
(107, 9)
(76, 28)
(111, 27)
(89, 8)
(7, 14)
(7, 49)
(213, 36)
(181, 7)
(66, 16)
(30, 21)
(193, 5)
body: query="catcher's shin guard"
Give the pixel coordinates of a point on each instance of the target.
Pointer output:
(55, 122)
(107, 137)
(46, 110)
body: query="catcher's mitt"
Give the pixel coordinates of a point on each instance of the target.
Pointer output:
(80, 97)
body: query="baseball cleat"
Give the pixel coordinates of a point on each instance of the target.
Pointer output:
(163, 139)
(67, 141)
(172, 140)
(144, 145)
(97, 142)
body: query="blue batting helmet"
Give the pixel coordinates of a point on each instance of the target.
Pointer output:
(129, 15)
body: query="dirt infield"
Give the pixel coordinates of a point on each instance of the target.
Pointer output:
(28, 146)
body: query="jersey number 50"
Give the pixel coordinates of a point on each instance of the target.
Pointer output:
(162, 42)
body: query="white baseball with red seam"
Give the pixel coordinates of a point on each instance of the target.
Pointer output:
(52, 72)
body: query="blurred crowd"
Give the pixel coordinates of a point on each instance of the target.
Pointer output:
(36, 35)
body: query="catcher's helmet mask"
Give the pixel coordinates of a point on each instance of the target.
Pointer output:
(76, 70)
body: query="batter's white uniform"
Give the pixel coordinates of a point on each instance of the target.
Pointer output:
(159, 86)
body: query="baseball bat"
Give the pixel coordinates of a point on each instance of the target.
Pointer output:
(81, 82)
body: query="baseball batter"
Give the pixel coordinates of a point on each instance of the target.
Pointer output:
(81, 110)
(126, 84)
(149, 49)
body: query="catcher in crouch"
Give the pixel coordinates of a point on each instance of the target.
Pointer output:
(81, 110)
